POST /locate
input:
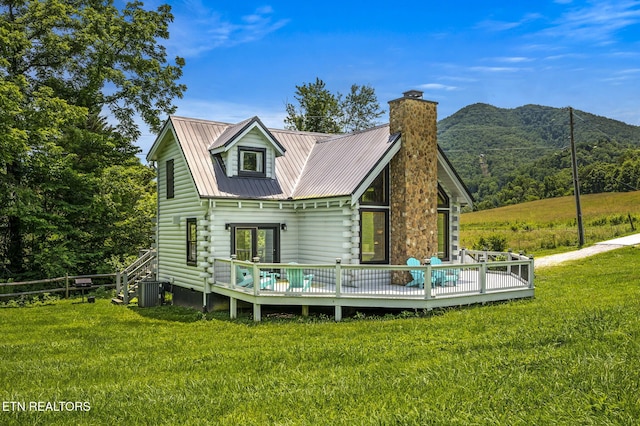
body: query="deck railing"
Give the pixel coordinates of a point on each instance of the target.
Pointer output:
(481, 272)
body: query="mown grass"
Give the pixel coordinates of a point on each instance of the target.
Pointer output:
(569, 356)
(548, 226)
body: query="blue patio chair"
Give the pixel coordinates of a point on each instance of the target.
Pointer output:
(243, 277)
(445, 275)
(416, 274)
(297, 278)
(268, 279)
(437, 277)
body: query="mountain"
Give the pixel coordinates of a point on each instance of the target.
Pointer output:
(492, 148)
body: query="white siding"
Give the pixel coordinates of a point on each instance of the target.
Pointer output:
(316, 233)
(172, 217)
(325, 233)
(252, 212)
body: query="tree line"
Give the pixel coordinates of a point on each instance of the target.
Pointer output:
(74, 76)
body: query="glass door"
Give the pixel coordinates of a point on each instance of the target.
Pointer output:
(256, 241)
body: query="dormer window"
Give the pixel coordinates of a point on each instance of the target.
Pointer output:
(251, 161)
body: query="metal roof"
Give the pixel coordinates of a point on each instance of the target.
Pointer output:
(339, 164)
(234, 132)
(315, 165)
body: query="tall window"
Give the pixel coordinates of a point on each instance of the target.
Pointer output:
(192, 241)
(251, 161)
(374, 221)
(169, 180)
(443, 224)
(374, 247)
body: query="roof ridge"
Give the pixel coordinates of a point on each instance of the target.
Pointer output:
(346, 135)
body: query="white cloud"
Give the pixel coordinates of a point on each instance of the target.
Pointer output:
(496, 25)
(496, 69)
(514, 59)
(198, 28)
(599, 21)
(437, 86)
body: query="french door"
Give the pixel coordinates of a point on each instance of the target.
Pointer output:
(249, 241)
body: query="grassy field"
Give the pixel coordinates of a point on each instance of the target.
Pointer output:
(569, 356)
(548, 226)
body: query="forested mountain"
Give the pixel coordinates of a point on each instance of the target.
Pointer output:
(507, 156)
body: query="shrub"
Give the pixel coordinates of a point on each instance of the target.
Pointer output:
(492, 243)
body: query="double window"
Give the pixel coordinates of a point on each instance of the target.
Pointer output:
(374, 221)
(252, 161)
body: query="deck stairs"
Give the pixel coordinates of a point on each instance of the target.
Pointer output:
(128, 280)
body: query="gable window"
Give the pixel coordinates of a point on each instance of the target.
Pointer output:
(374, 221)
(169, 178)
(192, 241)
(378, 192)
(251, 161)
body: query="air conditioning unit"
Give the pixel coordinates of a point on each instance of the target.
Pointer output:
(148, 293)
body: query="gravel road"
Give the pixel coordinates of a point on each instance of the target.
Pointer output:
(556, 259)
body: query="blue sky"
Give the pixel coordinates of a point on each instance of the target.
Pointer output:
(244, 58)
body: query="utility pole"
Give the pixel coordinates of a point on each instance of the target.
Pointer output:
(576, 181)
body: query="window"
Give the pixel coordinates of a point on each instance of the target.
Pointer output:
(443, 224)
(169, 180)
(374, 221)
(374, 247)
(251, 161)
(378, 191)
(192, 241)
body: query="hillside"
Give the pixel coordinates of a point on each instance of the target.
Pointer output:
(492, 148)
(549, 226)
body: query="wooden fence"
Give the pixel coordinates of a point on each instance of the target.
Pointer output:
(67, 285)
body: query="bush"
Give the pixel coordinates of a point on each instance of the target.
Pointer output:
(492, 243)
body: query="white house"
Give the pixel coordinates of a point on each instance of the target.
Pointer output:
(377, 196)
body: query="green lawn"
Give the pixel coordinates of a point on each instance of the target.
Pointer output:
(569, 356)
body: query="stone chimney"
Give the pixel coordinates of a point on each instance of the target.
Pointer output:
(414, 179)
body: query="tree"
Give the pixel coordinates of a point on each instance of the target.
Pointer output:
(63, 66)
(360, 109)
(321, 111)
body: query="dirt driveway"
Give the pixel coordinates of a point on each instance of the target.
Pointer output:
(555, 259)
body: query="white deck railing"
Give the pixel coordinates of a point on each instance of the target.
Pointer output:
(502, 271)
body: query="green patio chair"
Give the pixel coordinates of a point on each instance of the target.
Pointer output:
(297, 278)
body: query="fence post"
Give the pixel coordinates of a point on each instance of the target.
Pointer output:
(66, 286)
(427, 280)
(256, 276)
(232, 278)
(118, 283)
(531, 261)
(463, 255)
(338, 276)
(125, 289)
(483, 277)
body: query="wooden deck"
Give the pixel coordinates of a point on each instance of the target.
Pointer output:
(379, 286)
